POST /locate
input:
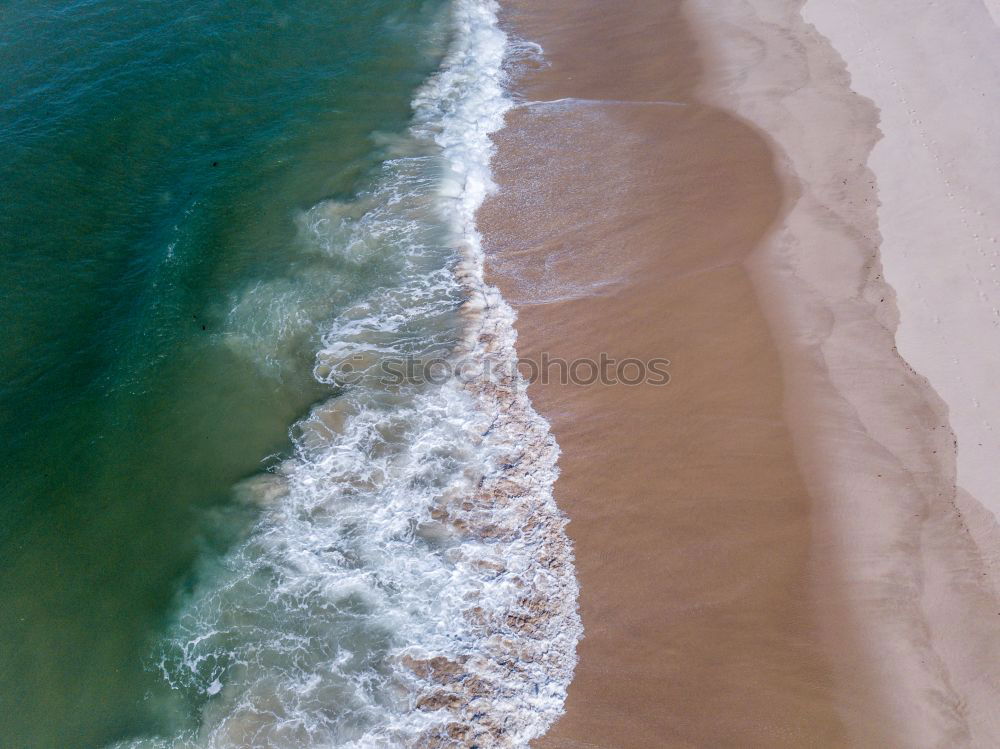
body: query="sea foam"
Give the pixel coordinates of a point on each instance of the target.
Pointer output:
(408, 581)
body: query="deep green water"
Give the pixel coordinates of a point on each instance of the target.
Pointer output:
(154, 158)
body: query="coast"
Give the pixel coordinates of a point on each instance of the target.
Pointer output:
(771, 548)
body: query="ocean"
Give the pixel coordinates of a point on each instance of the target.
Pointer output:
(236, 509)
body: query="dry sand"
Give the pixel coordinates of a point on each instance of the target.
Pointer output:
(769, 549)
(935, 80)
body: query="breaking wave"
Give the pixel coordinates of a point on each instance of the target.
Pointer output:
(407, 579)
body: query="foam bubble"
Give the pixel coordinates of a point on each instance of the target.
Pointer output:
(409, 581)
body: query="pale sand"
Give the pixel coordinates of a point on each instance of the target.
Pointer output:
(768, 547)
(873, 439)
(935, 79)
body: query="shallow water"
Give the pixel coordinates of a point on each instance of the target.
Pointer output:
(211, 536)
(161, 307)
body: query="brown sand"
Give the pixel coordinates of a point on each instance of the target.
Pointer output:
(722, 599)
(907, 552)
(690, 520)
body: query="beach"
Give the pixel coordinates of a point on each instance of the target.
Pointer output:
(780, 547)
(491, 374)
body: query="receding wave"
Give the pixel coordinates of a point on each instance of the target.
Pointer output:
(407, 580)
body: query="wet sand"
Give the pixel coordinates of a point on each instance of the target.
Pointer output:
(743, 581)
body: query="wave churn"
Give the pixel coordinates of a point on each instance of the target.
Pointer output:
(408, 581)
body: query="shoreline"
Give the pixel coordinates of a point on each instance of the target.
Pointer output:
(872, 436)
(949, 312)
(768, 549)
(691, 635)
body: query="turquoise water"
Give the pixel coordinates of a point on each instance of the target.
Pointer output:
(161, 310)
(222, 525)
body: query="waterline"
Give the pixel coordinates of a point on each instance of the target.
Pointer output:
(408, 580)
